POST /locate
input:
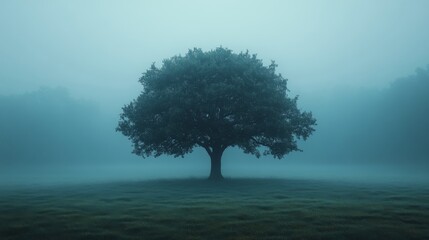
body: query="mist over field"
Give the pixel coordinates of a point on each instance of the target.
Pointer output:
(363, 135)
(67, 68)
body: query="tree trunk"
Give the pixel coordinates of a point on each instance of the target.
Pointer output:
(215, 172)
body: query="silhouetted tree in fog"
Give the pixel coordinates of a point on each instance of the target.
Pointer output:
(215, 100)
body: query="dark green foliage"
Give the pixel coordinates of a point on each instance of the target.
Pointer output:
(214, 100)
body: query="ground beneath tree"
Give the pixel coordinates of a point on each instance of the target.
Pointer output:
(231, 209)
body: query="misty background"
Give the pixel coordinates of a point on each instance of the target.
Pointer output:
(67, 68)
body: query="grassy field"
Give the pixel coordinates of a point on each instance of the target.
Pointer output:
(199, 209)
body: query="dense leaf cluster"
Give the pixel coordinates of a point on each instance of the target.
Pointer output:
(215, 100)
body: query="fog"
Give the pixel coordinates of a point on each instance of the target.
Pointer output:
(68, 67)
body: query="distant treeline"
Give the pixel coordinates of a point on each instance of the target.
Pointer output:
(404, 119)
(48, 126)
(362, 126)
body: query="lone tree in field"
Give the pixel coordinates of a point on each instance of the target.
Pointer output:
(214, 100)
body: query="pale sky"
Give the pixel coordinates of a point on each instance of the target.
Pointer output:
(99, 49)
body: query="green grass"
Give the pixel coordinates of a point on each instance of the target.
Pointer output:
(200, 209)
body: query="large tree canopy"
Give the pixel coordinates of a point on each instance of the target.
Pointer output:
(215, 99)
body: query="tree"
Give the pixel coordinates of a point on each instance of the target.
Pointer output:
(214, 100)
